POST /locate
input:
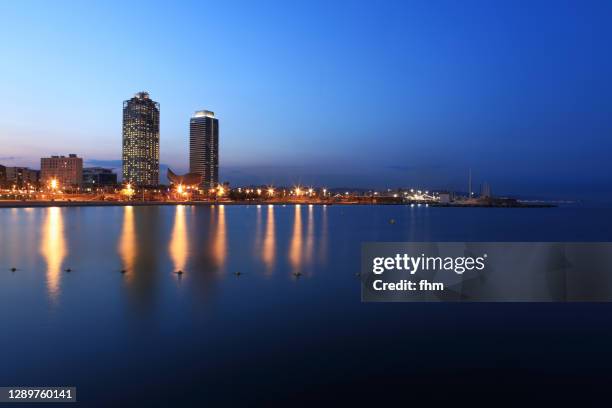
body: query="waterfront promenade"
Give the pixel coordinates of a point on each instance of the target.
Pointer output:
(76, 203)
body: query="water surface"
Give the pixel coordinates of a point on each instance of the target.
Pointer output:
(267, 335)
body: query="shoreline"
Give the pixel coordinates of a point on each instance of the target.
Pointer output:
(42, 204)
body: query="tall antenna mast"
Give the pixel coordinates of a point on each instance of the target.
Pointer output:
(470, 183)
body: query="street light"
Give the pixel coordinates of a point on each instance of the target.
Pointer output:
(54, 184)
(128, 191)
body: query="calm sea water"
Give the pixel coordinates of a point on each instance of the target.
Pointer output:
(265, 336)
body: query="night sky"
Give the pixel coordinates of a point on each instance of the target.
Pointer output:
(363, 94)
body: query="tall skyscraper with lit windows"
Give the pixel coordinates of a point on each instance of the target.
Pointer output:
(141, 140)
(204, 147)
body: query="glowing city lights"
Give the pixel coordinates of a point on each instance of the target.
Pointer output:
(128, 191)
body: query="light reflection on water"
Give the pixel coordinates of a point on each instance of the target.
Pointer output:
(220, 236)
(309, 246)
(295, 248)
(151, 243)
(268, 252)
(53, 249)
(178, 243)
(323, 233)
(128, 245)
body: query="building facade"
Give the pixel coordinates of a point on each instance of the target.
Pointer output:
(204, 147)
(2, 176)
(99, 176)
(68, 171)
(21, 176)
(446, 197)
(141, 140)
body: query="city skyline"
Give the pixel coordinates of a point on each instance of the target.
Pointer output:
(397, 95)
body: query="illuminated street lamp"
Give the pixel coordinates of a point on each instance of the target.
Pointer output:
(270, 191)
(181, 191)
(54, 185)
(128, 191)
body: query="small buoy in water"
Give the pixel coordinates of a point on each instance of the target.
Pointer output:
(179, 272)
(68, 270)
(237, 273)
(392, 221)
(13, 269)
(297, 274)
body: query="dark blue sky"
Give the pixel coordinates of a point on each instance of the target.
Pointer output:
(403, 93)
